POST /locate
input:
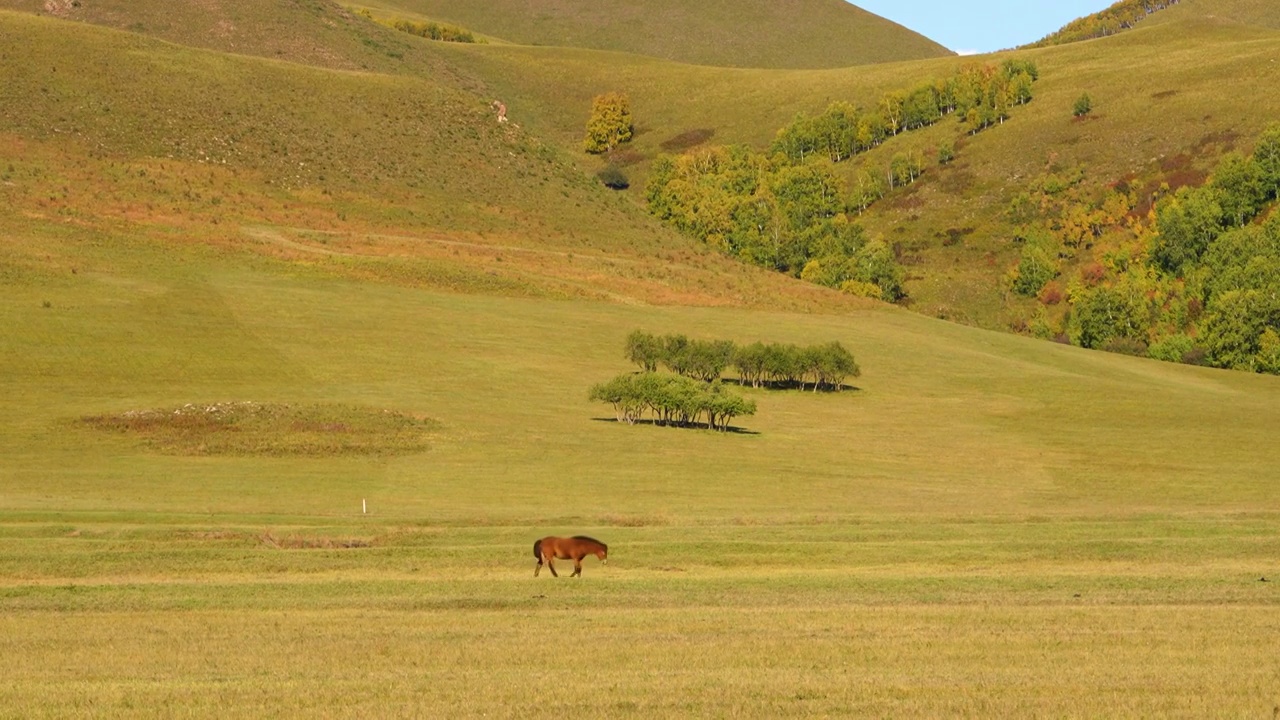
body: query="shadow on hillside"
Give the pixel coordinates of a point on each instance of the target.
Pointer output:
(687, 139)
(795, 386)
(732, 430)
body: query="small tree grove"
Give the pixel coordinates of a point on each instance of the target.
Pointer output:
(761, 365)
(672, 400)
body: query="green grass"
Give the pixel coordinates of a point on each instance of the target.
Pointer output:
(987, 525)
(1250, 12)
(311, 32)
(755, 33)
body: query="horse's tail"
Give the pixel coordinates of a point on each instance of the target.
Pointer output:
(537, 549)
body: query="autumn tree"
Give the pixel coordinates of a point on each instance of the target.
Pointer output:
(610, 123)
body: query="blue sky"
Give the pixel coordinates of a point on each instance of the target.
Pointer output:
(969, 26)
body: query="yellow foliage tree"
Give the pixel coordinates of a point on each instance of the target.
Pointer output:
(610, 123)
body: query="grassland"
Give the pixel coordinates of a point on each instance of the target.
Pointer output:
(754, 33)
(987, 525)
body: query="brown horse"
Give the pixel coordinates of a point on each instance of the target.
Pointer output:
(549, 549)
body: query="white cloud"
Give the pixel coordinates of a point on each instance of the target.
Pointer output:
(968, 52)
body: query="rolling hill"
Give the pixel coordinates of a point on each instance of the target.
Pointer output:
(1200, 74)
(726, 33)
(1258, 13)
(399, 176)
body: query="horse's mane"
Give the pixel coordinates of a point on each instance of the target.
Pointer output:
(591, 539)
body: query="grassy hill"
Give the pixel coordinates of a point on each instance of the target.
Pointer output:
(313, 32)
(1248, 12)
(729, 33)
(404, 178)
(1202, 75)
(1127, 14)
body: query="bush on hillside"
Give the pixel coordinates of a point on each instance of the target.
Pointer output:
(613, 178)
(610, 123)
(1083, 105)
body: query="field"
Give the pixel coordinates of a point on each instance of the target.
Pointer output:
(295, 350)
(987, 525)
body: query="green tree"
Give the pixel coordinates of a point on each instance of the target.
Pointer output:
(1235, 327)
(1103, 314)
(1243, 190)
(832, 364)
(875, 263)
(1267, 155)
(709, 358)
(946, 153)
(645, 350)
(1187, 224)
(1083, 105)
(1037, 266)
(610, 123)
(749, 361)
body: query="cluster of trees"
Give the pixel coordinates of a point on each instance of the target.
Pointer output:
(775, 214)
(789, 210)
(759, 364)
(610, 123)
(434, 31)
(980, 95)
(1199, 282)
(1119, 17)
(672, 400)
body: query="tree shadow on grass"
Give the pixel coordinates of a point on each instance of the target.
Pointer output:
(796, 386)
(687, 140)
(731, 430)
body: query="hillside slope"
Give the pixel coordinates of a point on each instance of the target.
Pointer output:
(311, 32)
(1261, 13)
(393, 178)
(1125, 15)
(730, 33)
(1170, 99)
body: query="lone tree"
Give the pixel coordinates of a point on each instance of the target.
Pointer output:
(610, 123)
(1083, 106)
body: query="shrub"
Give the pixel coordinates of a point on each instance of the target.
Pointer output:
(610, 123)
(1174, 348)
(613, 178)
(1126, 346)
(1051, 294)
(1083, 106)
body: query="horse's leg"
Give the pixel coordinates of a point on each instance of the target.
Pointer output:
(551, 565)
(577, 566)
(537, 568)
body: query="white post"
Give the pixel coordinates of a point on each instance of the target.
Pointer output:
(364, 506)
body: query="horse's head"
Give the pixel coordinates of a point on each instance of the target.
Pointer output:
(603, 554)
